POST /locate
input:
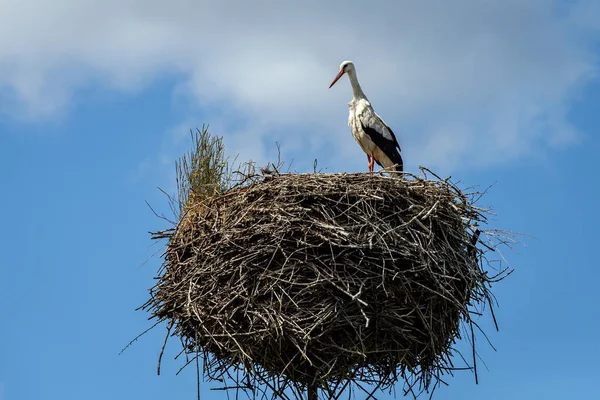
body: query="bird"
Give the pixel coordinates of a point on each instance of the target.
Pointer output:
(373, 135)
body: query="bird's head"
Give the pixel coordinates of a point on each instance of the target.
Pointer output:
(345, 67)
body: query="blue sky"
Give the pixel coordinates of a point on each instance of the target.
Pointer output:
(97, 99)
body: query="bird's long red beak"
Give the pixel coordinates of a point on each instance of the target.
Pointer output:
(338, 76)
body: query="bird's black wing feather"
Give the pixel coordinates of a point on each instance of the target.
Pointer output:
(390, 147)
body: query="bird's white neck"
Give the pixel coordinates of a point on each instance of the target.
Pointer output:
(356, 89)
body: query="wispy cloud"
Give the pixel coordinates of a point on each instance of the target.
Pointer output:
(467, 83)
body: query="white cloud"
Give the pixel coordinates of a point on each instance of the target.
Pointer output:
(462, 83)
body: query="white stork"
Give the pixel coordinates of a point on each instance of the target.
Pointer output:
(372, 134)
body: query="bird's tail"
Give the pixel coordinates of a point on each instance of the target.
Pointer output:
(399, 163)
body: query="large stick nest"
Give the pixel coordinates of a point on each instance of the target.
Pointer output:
(325, 280)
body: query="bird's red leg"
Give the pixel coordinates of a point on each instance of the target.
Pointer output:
(371, 162)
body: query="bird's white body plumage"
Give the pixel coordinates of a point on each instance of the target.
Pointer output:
(361, 114)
